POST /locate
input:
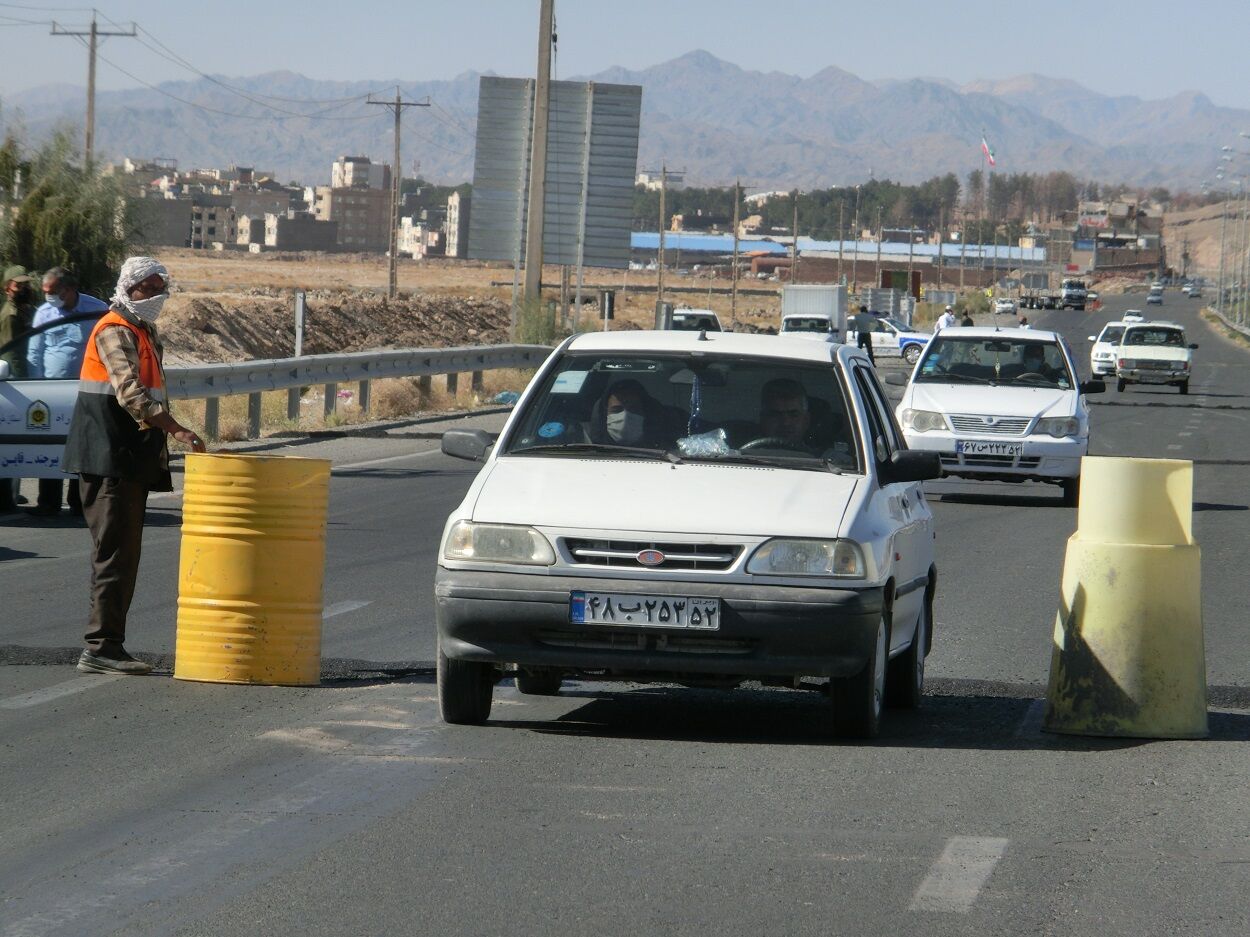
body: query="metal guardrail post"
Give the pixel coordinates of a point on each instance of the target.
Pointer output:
(253, 416)
(331, 393)
(362, 397)
(292, 403)
(453, 384)
(476, 382)
(211, 414)
(424, 385)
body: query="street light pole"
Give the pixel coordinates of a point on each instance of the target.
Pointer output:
(1219, 291)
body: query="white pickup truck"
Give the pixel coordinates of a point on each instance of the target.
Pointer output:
(1154, 353)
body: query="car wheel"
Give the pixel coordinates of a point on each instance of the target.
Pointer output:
(904, 678)
(1071, 491)
(1119, 385)
(911, 354)
(542, 683)
(465, 689)
(857, 700)
(1184, 386)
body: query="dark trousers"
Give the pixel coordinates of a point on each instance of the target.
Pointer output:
(114, 509)
(50, 494)
(865, 342)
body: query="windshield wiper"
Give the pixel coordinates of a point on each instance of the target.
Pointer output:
(955, 379)
(611, 448)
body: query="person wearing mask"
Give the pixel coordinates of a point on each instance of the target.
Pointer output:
(117, 443)
(56, 354)
(945, 320)
(629, 416)
(16, 316)
(1024, 323)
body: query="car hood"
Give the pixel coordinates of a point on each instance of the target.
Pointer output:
(691, 498)
(996, 401)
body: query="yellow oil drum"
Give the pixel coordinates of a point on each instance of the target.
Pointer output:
(251, 569)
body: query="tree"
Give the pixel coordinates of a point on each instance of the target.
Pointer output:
(70, 218)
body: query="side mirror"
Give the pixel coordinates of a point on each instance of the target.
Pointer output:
(1193, 345)
(1094, 387)
(894, 379)
(1093, 338)
(911, 465)
(470, 444)
(5, 374)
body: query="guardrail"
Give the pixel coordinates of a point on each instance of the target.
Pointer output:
(211, 382)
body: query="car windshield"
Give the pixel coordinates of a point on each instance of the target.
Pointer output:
(693, 322)
(1019, 361)
(683, 407)
(1173, 337)
(1111, 334)
(51, 352)
(806, 324)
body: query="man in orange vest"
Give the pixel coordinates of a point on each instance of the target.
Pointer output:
(117, 444)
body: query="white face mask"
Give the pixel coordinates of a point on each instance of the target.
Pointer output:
(148, 309)
(624, 427)
(54, 300)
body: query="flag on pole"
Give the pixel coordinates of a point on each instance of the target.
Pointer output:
(985, 148)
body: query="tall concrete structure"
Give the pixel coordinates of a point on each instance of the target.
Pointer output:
(359, 172)
(457, 226)
(363, 216)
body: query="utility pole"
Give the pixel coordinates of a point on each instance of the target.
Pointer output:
(841, 235)
(659, 280)
(794, 249)
(733, 302)
(879, 234)
(397, 107)
(538, 157)
(94, 34)
(855, 256)
(941, 242)
(911, 246)
(1219, 293)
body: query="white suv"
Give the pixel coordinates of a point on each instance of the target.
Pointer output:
(1000, 404)
(695, 509)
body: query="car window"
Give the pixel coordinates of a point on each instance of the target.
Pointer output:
(51, 352)
(1111, 333)
(1155, 336)
(882, 439)
(994, 360)
(806, 324)
(692, 407)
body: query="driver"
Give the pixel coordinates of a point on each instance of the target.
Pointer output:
(784, 411)
(1034, 362)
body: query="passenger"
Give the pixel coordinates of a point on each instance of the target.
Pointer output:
(56, 354)
(629, 416)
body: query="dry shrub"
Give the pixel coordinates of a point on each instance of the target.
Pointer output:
(395, 397)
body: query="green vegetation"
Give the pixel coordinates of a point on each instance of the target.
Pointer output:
(66, 217)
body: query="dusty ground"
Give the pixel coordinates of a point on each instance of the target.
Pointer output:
(234, 306)
(1199, 228)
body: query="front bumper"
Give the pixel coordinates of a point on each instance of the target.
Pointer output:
(1104, 368)
(1042, 458)
(765, 631)
(1153, 375)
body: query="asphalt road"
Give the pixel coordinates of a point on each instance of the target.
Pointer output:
(159, 806)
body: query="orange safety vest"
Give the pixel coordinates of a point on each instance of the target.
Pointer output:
(104, 439)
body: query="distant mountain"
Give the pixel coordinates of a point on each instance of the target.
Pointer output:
(700, 113)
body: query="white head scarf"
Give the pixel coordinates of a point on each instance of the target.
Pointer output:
(136, 270)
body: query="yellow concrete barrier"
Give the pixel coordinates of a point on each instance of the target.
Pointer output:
(251, 569)
(1128, 657)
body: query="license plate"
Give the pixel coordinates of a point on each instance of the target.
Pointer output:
(648, 611)
(988, 447)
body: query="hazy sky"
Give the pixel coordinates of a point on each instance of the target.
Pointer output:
(1149, 48)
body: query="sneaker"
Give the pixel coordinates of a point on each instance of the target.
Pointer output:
(91, 662)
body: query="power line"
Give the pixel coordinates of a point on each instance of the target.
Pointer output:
(397, 108)
(95, 33)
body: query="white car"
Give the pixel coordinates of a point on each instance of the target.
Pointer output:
(1155, 296)
(1154, 353)
(1000, 404)
(703, 510)
(821, 327)
(1004, 306)
(1133, 315)
(694, 320)
(1103, 351)
(894, 339)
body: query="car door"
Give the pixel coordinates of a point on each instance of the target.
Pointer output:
(905, 506)
(885, 341)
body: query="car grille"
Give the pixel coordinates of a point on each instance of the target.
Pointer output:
(1002, 425)
(1155, 365)
(955, 460)
(624, 554)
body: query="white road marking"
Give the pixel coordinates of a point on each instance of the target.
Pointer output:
(1031, 721)
(391, 458)
(955, 880)
(1174, 446)
(1184, 434)
(340, 608)
(56, 691)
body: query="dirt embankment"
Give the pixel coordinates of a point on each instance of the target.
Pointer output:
(203, 327)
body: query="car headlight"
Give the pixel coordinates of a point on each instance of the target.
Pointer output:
(1058, 426)
(842, 558)
(498, 543)
(923, 421)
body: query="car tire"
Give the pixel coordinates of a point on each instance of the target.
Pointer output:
(911, 354)
(1119, 385)
(1071, 491)
(1184, 386)
(858, 700)
(465, 690)
(542, 683)
(904, 678)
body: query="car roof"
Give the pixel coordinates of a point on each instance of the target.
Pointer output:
(983, 331)
(1156, 323)
(722, 343)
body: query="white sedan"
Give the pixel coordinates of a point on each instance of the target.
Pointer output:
(1004, 306)
(1000, 404)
